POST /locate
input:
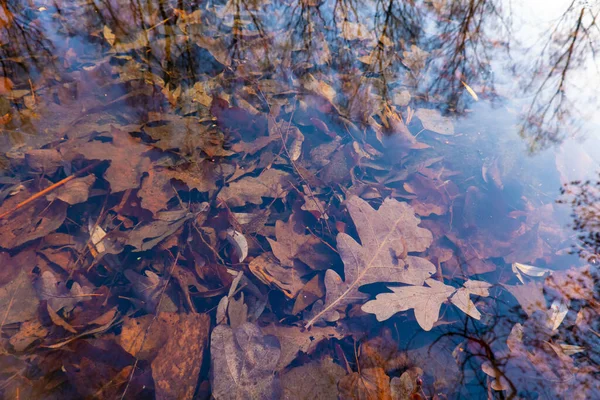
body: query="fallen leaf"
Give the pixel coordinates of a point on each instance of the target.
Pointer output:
(368, 384)
(128, 161)
(33, 221)
(29, 332)
(149, 288)
(427, 301)
(57, 293)
(433, 120)
(471, 91)
(294, 339)
(266, 268)
(530, 296)
(529, 270)
(239, 243)
(405, 386)
(176, 368)
(18, 301)
(73, 192)
(58, 320)
(148, 235)
(387, 235)
(270, 183)
(315, 380)
(292, 244)
(156, 190)
(243, 362)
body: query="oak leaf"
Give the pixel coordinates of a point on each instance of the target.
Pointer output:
(386, 235)
(427, 301)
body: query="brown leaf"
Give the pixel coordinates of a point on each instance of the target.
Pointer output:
(126, 154)
(294, 339)
(33, 221)
(292, 244)
(311, 292)
(386, 234)
(186, 134)
(57, 293)
(201, 176)
(58, 320)
(73, 192)
(270, 183)
(29, 332)
(177, 365)
(44, 160)
(156, 190)
(148, 235)
(266, 268)
(315, 380)
(368, 384)
(403, 387)
(18, 301)
(149, 288)
(243, 362)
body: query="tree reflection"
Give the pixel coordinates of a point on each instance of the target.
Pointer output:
(584, 199)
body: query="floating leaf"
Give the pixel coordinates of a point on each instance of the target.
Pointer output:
(528, 270)
(470, 91)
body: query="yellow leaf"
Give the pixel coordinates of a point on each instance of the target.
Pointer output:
(471, 91)
(109, 35)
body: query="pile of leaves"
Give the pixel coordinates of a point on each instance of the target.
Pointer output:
(242, 228)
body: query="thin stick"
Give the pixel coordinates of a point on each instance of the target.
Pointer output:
(49, 189)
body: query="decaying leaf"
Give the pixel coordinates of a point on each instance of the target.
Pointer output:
(433, 120)
(368, 384)
(386, 235)
(18, 301)
(270, 183)
(148, 235)
(294, 339)
(57, 292)
(405, 386)
(292, 244)
(75, 191)
(126, 154)
(243, 362)
(426, 301)
(149, 288)
(29, 223)
(315, 380)
(266, 268)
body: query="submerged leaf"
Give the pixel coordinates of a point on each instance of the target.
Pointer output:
(387, 235)
(433, 120)
(242, 363)
(427, 301)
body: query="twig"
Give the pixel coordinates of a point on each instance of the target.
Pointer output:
(49, 189)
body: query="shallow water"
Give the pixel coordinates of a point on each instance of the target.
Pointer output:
(242, 115)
